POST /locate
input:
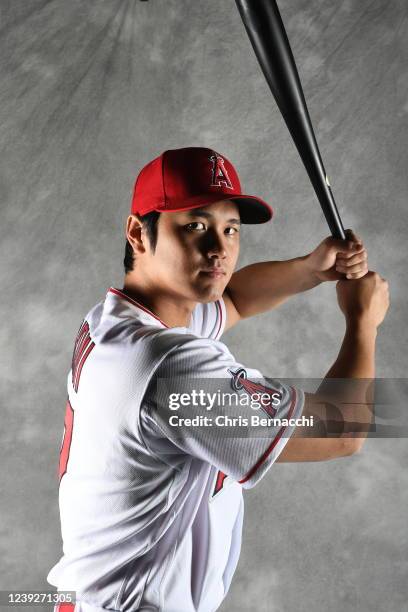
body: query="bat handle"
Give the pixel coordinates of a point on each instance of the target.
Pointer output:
(337, 231)
(328, 205)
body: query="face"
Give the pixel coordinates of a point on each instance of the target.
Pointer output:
(196, 251)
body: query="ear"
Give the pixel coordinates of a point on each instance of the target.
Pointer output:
(135, 234)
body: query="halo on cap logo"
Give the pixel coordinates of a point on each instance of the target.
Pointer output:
(219, 173)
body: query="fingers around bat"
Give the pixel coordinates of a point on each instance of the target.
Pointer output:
(342, 247)
(356, 275)
(350, 235)
(352, 266)
(356, 269)
(355, 251)
(356, 258)
(354, 242)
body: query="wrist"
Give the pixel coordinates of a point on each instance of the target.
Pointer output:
(361, 327)
(307, 263)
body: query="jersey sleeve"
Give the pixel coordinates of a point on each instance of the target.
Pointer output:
(208, 320)
(204, 404)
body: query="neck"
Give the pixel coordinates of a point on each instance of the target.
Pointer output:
(171, 309)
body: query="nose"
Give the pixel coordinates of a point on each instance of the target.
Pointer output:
(215, 247)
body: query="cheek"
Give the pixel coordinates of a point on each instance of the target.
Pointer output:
(234, 254)
(174, 257)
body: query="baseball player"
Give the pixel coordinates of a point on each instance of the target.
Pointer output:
(152, 468)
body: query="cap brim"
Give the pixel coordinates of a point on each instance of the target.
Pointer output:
(252, 210)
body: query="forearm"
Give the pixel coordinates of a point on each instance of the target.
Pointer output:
(356, 358)
(351, 399)
(262, 286)
(342, 408)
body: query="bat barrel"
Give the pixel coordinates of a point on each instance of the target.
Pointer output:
(267, 34)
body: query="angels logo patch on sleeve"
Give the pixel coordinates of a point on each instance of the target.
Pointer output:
(270, 397)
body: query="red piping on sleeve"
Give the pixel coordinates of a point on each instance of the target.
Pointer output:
(274, 443)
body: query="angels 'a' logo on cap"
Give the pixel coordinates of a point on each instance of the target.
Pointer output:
(219, 173)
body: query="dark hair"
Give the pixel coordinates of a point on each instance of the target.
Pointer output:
(149, 222)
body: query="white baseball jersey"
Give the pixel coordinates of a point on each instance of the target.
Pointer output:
(151, 506)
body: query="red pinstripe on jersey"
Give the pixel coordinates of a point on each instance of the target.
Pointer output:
(219, 312)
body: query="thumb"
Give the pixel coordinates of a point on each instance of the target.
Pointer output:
(341, 246)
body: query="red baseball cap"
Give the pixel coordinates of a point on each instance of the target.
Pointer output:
(182, 179)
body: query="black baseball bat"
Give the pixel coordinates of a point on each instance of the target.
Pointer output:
(267, 34)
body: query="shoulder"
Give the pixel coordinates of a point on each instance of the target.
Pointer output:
(208, 319)
(174, 345)
(192, 356)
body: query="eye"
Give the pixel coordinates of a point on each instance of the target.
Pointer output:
(195, 226)
(230, 231)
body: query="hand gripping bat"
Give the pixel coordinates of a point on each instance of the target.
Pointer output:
(267, 34)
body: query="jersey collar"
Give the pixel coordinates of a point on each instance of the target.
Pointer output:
(123, 296)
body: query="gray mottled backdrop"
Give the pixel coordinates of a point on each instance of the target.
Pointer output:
(91, 91)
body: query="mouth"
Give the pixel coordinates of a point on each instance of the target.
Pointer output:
(214, 272)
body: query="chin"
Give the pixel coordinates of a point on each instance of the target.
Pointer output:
(212, 298)
(207, 290)
(210, 293)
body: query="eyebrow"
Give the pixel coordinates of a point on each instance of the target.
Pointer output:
(198, 212)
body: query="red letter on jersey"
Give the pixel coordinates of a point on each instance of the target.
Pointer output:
(219, 483)
(66, 440)
(82, 349)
